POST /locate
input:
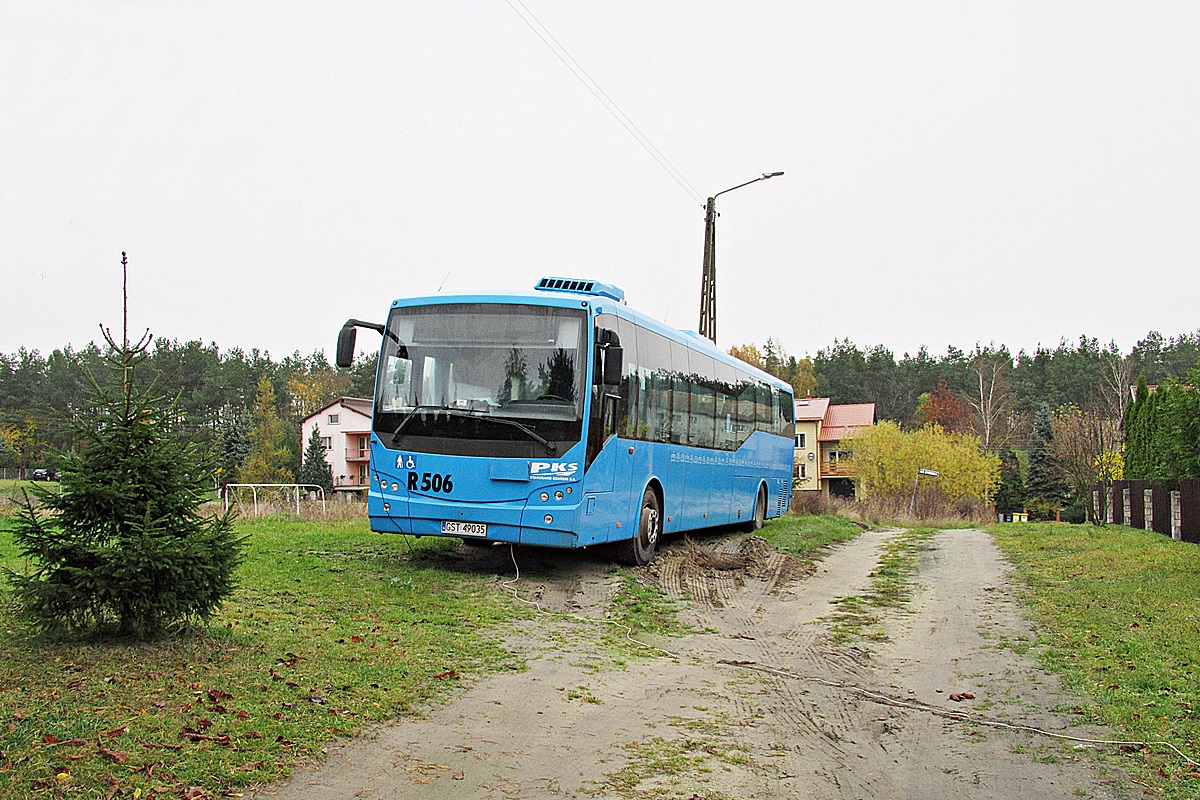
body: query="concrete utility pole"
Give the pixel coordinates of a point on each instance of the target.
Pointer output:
(708, 282)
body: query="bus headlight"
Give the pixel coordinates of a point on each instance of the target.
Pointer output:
(548, 519)
(543, 497)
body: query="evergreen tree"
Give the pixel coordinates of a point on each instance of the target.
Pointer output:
(1011, 495)
(123, 545)
(1045, 486)
(1140, 457)
(233, 446)
(316, 469)
(269, 460)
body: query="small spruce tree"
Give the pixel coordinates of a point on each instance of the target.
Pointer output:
(123, 547)
(316, 469)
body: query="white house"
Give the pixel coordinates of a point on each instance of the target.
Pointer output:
(345, 430)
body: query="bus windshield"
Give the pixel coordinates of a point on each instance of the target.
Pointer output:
(453, 378)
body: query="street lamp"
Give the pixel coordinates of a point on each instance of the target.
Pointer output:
(708, 284)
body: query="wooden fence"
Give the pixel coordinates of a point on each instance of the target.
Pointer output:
(1172, 509)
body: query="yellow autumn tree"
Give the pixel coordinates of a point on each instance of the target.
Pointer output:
(311, 391)
(886, 460)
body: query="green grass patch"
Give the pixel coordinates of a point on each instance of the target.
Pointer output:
(1118, 615)
(860, 616)
(807, 536)
(640, 609)
(331, 626)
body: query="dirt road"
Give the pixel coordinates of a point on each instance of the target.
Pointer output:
(760, 702)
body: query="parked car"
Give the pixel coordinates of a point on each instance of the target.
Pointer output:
(44, 475)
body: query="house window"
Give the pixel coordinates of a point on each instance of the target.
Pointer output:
(327, 442)
(803, 470)
(800, 440)
(362, 473)
(333, 419)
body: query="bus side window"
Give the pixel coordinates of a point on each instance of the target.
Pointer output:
(702, 417)
(726, 421)
(746, 414)
(654, 355)
(776, 414)
(681, 384)
(627, 423)
(763, 406)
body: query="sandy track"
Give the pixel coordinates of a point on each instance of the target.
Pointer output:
(760, 703)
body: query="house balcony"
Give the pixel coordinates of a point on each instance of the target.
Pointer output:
(837, 469)
(358, 454)
(349, 483)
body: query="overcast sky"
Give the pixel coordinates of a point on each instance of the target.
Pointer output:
(955, 172)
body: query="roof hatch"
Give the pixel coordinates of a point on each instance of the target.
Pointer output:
(581, 286)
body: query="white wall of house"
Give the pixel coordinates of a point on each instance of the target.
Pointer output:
(347, 436)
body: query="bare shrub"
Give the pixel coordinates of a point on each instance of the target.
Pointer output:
(930, 509)
(809, 502)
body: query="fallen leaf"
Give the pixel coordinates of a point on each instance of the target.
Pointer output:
(252, 766)
(50, 738)
(115, 732)
(958, 697)
(458, 776)
(441, 676)
(175, 748)
(117, 756)
(252, 735)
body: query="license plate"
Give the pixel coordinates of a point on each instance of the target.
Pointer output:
(464, 528)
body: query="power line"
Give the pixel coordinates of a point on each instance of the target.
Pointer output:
(610, 105)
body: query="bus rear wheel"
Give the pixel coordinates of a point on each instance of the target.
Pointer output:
(760, 511)
(639, 551)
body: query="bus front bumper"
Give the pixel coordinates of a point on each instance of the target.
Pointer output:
(519, 522)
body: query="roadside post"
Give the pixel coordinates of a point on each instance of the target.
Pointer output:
(922, 471)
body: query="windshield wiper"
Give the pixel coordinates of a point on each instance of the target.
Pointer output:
(455, 412)
(530, 432)
(409, 418)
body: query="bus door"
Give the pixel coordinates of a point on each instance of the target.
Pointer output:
(602, 509)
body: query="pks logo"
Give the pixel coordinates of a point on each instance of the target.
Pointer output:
(553, 471)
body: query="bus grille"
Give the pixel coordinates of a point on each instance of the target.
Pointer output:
(781, 501)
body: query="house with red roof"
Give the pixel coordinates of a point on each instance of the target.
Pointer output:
(345, 431)
(824, 435)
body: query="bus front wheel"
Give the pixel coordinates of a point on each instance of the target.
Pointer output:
(639, 551)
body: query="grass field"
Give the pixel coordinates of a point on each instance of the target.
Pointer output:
(808, 536)
(1118, 612)
(331, 626)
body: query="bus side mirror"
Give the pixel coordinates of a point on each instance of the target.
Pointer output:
(614, 364)
(345, 346)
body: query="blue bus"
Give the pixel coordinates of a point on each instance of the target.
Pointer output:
(564, 418)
